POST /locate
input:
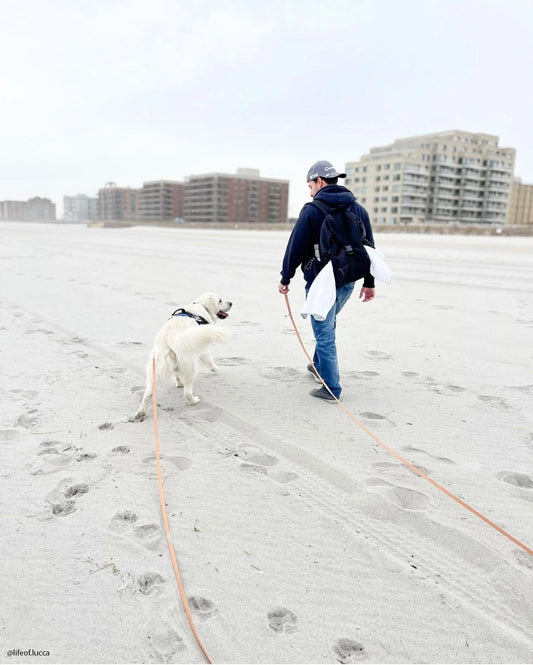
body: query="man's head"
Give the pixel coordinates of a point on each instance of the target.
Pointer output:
(321, 174)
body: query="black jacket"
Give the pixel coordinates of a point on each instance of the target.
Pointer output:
(306, 234)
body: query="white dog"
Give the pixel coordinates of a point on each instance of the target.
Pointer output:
(181, 342)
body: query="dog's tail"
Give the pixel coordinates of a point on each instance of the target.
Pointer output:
(194, 341)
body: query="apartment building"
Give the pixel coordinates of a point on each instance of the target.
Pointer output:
(116, 203)
(521, 206)
(161, 200)
(241, 198)
(40, 210)
(36, 209)
(451, 176)
(80, 208)
(12, 211)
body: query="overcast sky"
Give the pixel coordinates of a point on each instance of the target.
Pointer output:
(133, 90)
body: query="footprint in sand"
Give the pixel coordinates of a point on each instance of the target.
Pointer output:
(492, 400)
(282, 477)
(524, 559)
(203, 608)
(54, 456)
(401, 496)
(232, 362)
(85, 457)
(165, 644)
(255, 455)
(61, 499)
(120, 450)
(378, 355)
(412, 449)
(105, 426)
(282, 620)
(148, 583)
(148, 534)
(252, 469)
(372, 416)
(348, 651)
(182, 463)
(376, 418)
(260, 463)
(74, 490)
(123, 520)
(280, 373)
(362, 374)
(28, 419)
(517, 479)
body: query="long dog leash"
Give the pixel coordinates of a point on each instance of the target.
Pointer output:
(173, 557)
(399, 457)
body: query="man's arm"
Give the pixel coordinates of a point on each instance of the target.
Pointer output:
(297, 248)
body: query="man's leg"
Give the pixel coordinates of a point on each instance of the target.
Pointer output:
(325, 356)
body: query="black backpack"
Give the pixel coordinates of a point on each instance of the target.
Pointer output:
(341, 241)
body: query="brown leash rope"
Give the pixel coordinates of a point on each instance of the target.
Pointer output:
(400, 458)
(183, 595)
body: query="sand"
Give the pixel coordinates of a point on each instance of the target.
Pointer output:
(300, 540)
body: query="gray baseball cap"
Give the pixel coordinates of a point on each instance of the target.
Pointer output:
(323, 169)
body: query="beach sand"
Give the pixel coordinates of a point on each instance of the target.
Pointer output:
(299, 538)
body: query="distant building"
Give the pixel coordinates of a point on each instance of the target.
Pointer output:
(116, 203)
(40, 210)
(521, 207)
(80, 208)
(161, 200)
(451, 176)
(36, 209)
(12, 211)
(232, 199)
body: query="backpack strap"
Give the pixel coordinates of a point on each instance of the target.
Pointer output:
(321, 206)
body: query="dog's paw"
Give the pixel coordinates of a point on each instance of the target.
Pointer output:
(138, 417)
(191, 401)
(214, 368)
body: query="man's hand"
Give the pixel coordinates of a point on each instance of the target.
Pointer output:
(283, 288)
(367, 294)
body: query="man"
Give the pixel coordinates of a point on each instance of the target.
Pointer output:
(322, 179)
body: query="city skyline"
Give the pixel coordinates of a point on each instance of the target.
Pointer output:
(129, 93)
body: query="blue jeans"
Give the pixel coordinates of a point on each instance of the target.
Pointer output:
(325, 356)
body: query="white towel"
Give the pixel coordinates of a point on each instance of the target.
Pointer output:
(378, 268)
(321, 295)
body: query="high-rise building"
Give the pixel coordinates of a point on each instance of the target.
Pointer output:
(116, 203)
(231, 199)
(40, 210)
(35, 209)
(521, 207)
(451, 176)
(80, 208)
(161, 200)
(13, 211)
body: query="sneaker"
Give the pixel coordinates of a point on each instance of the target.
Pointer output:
(322, 393)
(313, 373)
